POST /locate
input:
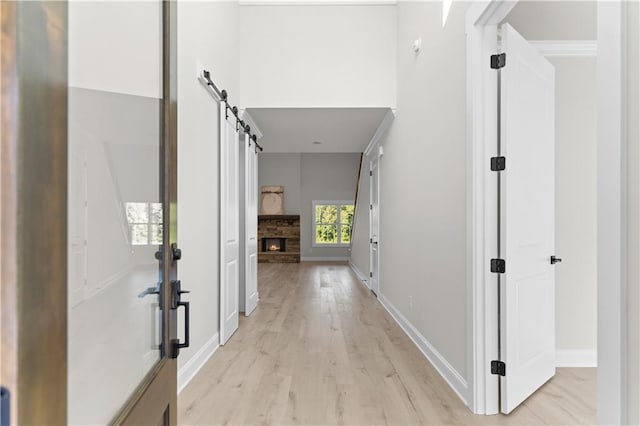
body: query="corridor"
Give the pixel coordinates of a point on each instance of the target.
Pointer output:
(320, 349)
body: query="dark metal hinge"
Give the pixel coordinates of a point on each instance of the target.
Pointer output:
(499, 266)
(498, 164)
(370, 206)
(498, 61)
(498, 368)
(370, 274)
(370, 173)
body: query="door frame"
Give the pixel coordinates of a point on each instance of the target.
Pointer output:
(34, 221)
(482, 22)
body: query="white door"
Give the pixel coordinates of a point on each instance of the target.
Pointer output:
(527, 287)
(374, 209)
(229, 226)
(251, 223)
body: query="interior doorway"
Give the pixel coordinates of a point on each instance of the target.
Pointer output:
(507, 370)
(374, 241)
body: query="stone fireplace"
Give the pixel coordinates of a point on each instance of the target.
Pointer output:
(279, 237)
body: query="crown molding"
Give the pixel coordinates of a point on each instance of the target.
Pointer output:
(318, 2)
(556, 48)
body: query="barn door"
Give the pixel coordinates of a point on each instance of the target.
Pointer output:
(229, 225)
(251, 227)
(527, 224)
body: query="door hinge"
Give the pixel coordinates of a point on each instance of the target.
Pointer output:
(498, 164)
(498, 61)
(498, 368)
(498, 266)
(370, 274)
(370, 206)
(370, 173)
(370, 240)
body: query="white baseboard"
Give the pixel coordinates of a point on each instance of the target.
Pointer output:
(191, 368)
(324, 259)
(359, 274)
(576, 358)
(446, 370)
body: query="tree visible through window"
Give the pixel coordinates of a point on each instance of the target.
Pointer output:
(145, 223)
(332, 222)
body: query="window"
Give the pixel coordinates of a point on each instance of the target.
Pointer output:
(145, 223)
(332, 222)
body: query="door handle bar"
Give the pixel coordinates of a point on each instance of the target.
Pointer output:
(175, 343)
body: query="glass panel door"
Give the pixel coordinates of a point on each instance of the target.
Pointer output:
(115, 204)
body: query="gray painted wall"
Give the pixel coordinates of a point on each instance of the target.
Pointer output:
(309, 177)
(202, 44)
(283, 170)
(422, 181)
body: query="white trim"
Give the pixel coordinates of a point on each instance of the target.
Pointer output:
(324, 259)
(248, 119)
(199, 359)
(612, 223)
(576, 358)
(380, 131)
(554, 48)
(482, 22)
(359, 274)
(446, 370)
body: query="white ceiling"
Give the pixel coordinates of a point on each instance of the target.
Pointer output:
(555, 20)
(295, 129)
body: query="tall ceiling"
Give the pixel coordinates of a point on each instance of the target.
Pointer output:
(563, 20)
(296, 129)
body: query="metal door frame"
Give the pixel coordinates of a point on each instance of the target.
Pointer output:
(33, 190)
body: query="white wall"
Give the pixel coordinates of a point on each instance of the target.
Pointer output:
(105, 35)
(360, 235)
(422, 183)
(309, 177)
(633, 122)
(207, 37)
(317, 56)
(576, 203)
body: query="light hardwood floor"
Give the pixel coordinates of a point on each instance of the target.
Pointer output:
(320, 350)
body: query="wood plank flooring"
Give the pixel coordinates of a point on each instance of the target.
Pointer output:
(320, 350)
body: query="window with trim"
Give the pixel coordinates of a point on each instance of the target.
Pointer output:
(145, 223)
(332, 223)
